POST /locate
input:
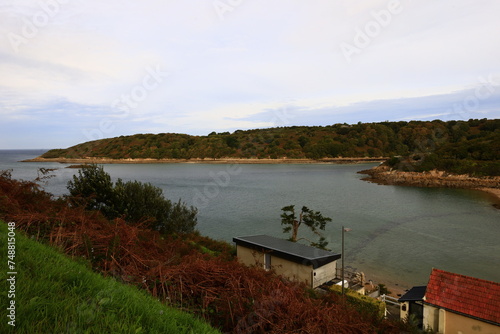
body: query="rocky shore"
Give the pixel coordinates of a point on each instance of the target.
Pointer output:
(91, 160)
(385, 175)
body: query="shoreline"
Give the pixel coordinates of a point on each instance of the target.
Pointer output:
(434, 179)
(495, 195)
(490, 185)
(396, 289)
(208, 161)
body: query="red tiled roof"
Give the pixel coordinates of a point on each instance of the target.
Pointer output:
(467, 295)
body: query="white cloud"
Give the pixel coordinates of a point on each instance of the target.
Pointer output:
(233, 72)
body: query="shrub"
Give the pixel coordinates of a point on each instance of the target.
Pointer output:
(135, 201)
(363, 304)
(94, 189)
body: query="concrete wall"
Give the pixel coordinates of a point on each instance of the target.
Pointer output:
(456, 323)
(249, 257)
(431, 317)
(324, 274)
(404, 310)
(446, 322)
(292, 270)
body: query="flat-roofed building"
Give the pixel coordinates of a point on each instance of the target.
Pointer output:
(295, 261)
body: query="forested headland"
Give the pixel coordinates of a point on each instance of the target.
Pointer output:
(461, 147)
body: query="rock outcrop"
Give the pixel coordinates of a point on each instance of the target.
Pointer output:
(385, 175)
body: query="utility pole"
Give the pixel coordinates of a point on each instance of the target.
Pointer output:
(343, 256)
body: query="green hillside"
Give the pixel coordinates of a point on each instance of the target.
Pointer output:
(471, 146)
(54, 294)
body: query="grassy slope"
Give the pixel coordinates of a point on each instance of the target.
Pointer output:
(57, 295)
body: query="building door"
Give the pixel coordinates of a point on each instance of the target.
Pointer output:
(267, 261)
(417, 309)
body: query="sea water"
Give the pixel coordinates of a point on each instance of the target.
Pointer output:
(398, 234)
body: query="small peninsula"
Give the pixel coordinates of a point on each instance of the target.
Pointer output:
(458, 154)
(92, 160)
(475, 142)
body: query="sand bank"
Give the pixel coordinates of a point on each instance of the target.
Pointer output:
(207, 161)
(495, 192)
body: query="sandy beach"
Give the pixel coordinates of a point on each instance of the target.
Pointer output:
(396, 289)
(207, 161)
(495, 192)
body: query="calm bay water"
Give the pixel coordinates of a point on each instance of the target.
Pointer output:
(398, 233)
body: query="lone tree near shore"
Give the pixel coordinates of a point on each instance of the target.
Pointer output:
(312, 219)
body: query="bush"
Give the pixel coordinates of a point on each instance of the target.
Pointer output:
(393, 161)
(383, 289)
(134, 201)
(361, 303)
(94, 189)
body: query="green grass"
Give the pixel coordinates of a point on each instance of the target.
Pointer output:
(55, 294)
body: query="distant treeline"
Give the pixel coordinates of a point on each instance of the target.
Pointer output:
(471, 146)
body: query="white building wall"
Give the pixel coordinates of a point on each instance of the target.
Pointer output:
(324, 274)
(431, 317)
(404, 310)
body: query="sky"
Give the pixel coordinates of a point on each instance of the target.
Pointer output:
(78, 70)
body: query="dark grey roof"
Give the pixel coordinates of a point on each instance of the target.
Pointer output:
(288, 250)
(414, 294)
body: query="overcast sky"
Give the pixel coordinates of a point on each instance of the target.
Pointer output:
(78, 70)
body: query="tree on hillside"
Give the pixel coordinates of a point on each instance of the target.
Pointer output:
(134, 201)
(93, 189)
(312, 219)
(139, 201)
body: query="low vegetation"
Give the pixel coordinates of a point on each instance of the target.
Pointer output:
(135, 202)
(57, 295)
(183, 270)
(363, 304)
(471, 147)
